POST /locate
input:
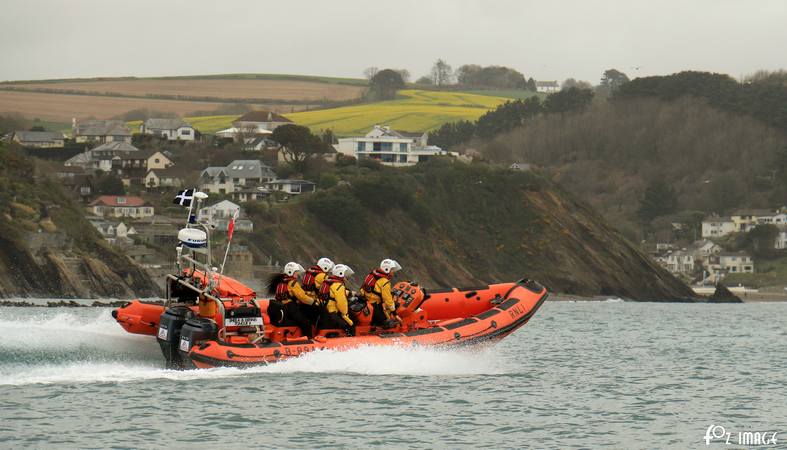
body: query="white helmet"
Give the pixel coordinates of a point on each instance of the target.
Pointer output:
(325, 264)
(389, 266)
(342, 271)
(292, 268)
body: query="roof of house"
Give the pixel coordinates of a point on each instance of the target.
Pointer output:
(166, 124)
(213, 171)
(224, 204)
(249, 168)
(717, 219)
(80, 159)
(119, 200)
(547, 84)
(169, 172)
(102, 128)
(262, 116)
(116, 146)
(38, 136)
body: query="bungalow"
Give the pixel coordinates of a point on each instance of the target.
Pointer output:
(259, 143)
(520, 167)
(100, 131)
(38, 139)
(250, 195)
(120, 206)
(715, 226)
(292, 187)
(162, 178)
(237, 175)
(547, 86)
(170, 129)
(391, 147)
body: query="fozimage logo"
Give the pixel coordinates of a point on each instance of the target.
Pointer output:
(719, 434)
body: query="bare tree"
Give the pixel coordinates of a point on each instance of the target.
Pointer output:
(369, 72)
(441, 73)
(405, 74)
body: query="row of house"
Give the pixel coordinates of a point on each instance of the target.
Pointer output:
(248, 180)
(704, 260)
(152, 167)
(743, 221)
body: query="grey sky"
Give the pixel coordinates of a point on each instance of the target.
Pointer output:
(543, 39)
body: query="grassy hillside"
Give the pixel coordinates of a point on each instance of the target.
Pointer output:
(452, 224)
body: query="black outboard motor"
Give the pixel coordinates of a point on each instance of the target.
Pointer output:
(194, 331)
(170, 324)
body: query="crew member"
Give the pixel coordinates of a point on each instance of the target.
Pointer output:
(335, 295)
(376, 290)
(285, 308)
(312, 282)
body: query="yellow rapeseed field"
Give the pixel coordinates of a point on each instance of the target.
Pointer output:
(415, 110)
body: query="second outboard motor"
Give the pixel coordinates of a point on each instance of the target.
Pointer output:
(168, 337)
(195, 330)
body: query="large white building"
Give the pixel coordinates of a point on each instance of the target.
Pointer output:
(715, 226)
(239, 174)
(170, 129)
(391, 147)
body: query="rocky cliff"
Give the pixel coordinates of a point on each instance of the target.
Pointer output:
(462, 225)
(48, 249)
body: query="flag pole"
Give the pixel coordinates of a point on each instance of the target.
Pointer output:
(229, 241)
(191, 206)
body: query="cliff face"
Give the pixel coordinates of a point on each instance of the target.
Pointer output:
(459, 225)
(48, 249)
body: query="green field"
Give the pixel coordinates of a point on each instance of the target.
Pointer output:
(414, 110)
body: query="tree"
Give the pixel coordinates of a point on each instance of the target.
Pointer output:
(37, 128)
(570, 82)
(531, 85)
(329, 137)
(571, 99)
(369, 72)
(467, 74)
(298, 144)
(384, 84)
(613, 79)
(405, 74)
(110, 185)
(424, 80)
(659, 200)
(441, 73)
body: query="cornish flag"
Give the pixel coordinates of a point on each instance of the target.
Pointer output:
(184, 198)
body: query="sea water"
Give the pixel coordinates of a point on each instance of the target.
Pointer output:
(579, 375)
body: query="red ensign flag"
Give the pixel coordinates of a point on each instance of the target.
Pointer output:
(230, 228)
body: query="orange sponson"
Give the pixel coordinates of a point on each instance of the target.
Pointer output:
(139, 317)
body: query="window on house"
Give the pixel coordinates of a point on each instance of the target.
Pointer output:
(295, 188)
(402, 158)
(402, 147)
(362, 146)
(121, 200)
(185, 132)
(388, 158)
(387, 146)
(377, 146)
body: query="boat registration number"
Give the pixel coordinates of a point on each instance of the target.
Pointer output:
(163, 333)
(242, 321)
(185, 345)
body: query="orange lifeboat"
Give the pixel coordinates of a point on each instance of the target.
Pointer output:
(239, 332)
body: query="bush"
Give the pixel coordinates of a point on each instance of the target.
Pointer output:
(328, 180)
(341, 211)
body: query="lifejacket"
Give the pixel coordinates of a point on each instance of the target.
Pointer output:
(283, 289)
(310, 277)
(371, 280)
(325, 289)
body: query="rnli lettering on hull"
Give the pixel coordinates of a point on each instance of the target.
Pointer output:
(243, 321)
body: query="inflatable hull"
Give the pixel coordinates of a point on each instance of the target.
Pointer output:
(457, 318)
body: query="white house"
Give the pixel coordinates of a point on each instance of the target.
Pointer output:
(736, 263)
(679, 262)
(781, 239)
(120, 206)
(238, 174)
(547, 86)
(38, 139)
(100, 131)
(715, 226)
(747, 219)
(391, 147)
(292, 187)
(170, 129)
(220, 213)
